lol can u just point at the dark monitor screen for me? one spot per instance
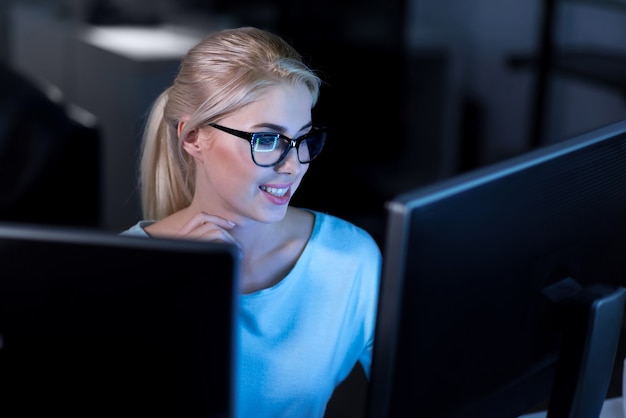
(489, 275)
(94, 324)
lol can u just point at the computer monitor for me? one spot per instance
(95, 324)
(502, 288)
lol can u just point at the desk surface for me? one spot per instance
(612, 409)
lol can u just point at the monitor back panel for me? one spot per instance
(95, 324)
(464, 325)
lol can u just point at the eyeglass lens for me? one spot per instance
(269, 149)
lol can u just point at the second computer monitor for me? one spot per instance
(502, 287)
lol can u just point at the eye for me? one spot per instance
(265, 142)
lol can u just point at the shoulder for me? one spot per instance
(340, 233)
(138, 229)
(346, 254)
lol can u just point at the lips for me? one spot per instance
(275, 191)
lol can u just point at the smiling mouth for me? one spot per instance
(275, 191)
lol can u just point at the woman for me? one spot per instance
(225, 148)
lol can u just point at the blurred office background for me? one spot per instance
(416, 90)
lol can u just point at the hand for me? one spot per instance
(209, 228)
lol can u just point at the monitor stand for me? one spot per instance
(592, 323)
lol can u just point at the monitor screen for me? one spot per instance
(480, 275)
(94, 324)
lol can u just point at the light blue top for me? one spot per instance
(302, 337)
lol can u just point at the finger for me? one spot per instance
(224, 223)
(214, 234)
(203, 218)
(208, 231)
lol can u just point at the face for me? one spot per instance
(228, 183)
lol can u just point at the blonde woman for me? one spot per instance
(225, 148)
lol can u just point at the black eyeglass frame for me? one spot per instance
(291, 142)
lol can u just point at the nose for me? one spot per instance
(291, 164)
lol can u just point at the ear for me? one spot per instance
(190, 141)
(181, 124)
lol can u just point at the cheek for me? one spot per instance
(228, 165)
(230, 154)
(303, 171)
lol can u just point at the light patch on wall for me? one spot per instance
(141, 43)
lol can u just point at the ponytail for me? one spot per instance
(165, 172)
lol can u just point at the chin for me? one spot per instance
(275, 215)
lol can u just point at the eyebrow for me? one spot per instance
(279, 128)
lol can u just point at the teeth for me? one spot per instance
(275, 191)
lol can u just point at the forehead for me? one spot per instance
(282, 105)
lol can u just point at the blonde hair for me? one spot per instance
(225, 71)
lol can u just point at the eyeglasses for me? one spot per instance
(270, 148)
